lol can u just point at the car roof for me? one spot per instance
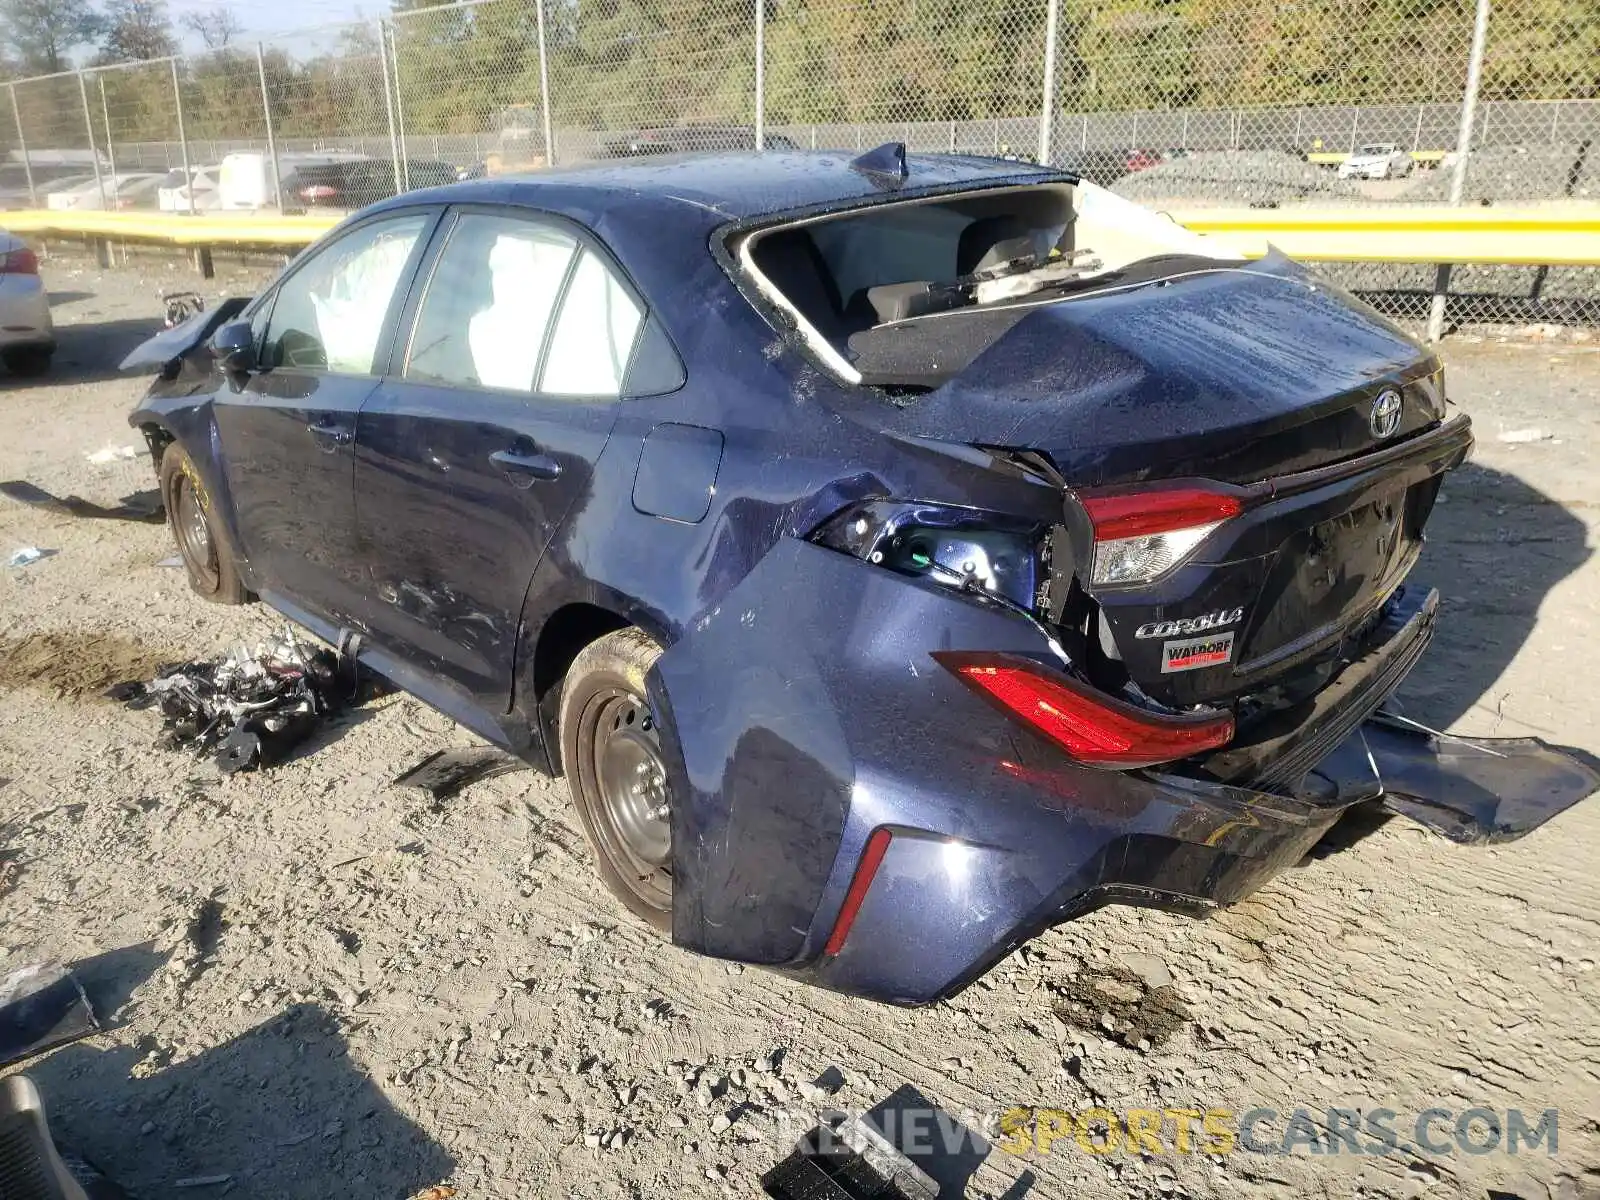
(744, 184)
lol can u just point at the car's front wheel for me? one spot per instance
(27, 362)
(212, 572)
(611, 756)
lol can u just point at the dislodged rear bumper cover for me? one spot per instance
(804, 712)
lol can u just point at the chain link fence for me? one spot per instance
(1175, 104)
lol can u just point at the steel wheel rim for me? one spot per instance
(628, 793)
(194, 531)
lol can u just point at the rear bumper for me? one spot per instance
(1278, 752)
(805, 712)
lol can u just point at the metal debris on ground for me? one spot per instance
(845, 1158)
(181, 306)
(249, 707)
(140, 506)
(445, 773)
(41, 1006)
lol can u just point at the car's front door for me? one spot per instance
(287, 429)
(483, 438)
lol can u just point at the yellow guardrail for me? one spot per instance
(214, 230)
(1565, 235)
(1558, 235)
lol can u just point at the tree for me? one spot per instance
(42, 33)
(136, 30)
(216, 27)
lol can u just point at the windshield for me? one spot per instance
(1376, 149)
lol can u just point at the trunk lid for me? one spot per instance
(1258, 383)
(1231, 373)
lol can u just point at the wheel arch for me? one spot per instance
(561, 637)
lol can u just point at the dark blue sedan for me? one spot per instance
(897, 556)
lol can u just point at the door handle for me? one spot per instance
(523, 469)
(331, 435)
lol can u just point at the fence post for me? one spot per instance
(399, 108)
(22, 144)
(761, 74)
(266, 112)
(183, 135)
(1458, 180)
(1048, 101)
(388, 101)
(111, 149)
(88, 127)
(544, 87)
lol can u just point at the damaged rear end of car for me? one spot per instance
(926, 728)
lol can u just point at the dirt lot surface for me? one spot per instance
(325, 984)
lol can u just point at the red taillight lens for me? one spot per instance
(19, 262)
(1093, 728)
(1139, 536)
(877, 846)
(1136, 514)
(318, 191)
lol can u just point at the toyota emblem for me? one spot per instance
(1385, 417)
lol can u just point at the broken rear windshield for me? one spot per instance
(846, 276)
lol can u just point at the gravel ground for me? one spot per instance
(1238, 177)
(316, 976)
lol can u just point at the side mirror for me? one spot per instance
(235, 346)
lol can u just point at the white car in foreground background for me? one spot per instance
(1379, 160)
(135, 189)
(27, 335)
(174, 194)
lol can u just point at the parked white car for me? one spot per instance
(1377, 160)
(134, 189)
(27, 335)
(173, 194)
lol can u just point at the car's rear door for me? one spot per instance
(483, 438)
(288, 428)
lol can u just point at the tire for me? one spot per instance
(28, 362)
(611, 758)
(206, 556)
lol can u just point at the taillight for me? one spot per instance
(1093, 728)
(871, 857)
(19, 262)
(1140, 536)
(318, 191)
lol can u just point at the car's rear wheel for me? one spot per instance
(611, 755)
(210, 564)
(28, 362)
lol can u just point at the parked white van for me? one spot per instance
(247, 180)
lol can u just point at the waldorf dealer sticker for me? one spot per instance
(1190, 653)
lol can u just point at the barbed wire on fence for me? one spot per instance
(1243, 102)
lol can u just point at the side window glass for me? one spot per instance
(594, 334)
(329, 314)
(483, 318)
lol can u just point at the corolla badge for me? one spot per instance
(1385, 418)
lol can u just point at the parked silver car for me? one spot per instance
(1377, 160)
